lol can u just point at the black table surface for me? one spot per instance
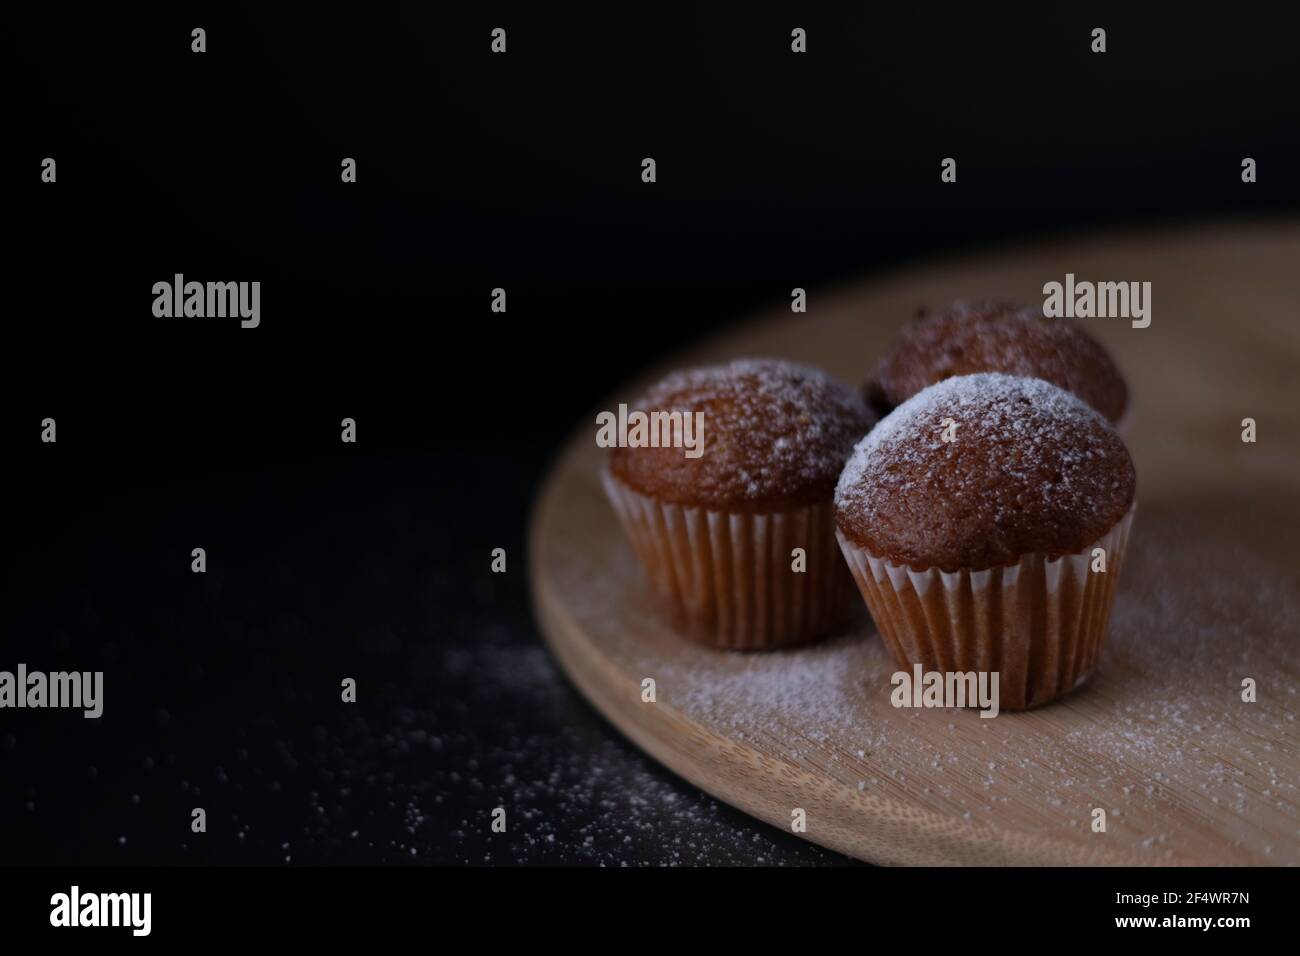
(776, 170)
(222, 690)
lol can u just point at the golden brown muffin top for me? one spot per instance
(1030, 468)
(776, 436)
(995, 336)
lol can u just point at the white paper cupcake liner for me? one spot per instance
(726, 579)
(1039, 623)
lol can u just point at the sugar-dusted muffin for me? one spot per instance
(717, 533)
(969, 517)
(994, 336)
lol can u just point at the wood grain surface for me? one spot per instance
(1160, 739)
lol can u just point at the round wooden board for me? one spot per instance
(1159, 738)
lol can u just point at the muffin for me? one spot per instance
(717, 532)
(994, 336)
(976, 553)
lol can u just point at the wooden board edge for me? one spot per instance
(906, 835)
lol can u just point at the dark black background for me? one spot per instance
(475, 171)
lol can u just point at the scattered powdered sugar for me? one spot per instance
(421, 784)
(1158, 736)
(810, 686)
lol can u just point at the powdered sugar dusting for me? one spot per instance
(998, 336)
(772, 429)
(1158, 737)
(1029, 467)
